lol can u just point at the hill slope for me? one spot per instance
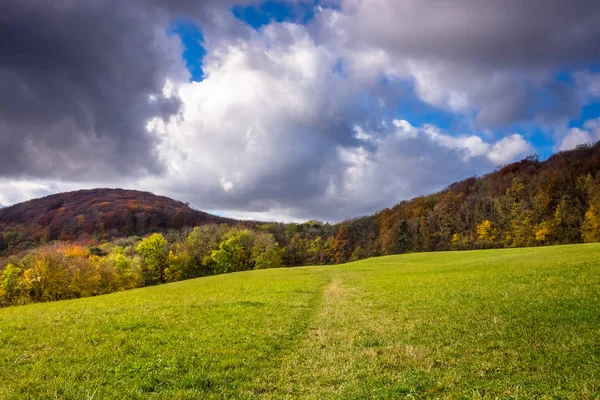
(483, 324)
(103, 212)
(527, 203)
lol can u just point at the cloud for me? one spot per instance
(15, 191)
(263, 127)
(495, 60)
(467, 147)
(402, 161)
(508, 149)
(575, 136)
(588, 84)
(508, 33)
(290, 121)
(79, 80)
(279, 132)
(76, 81)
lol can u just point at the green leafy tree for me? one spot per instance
(266, 252)
(234, 253)
(129, 275)
(567, 221)
(401, 239)
(200, 244)
(10, 284)
(181, 264)
(297, 250)
(154, 252)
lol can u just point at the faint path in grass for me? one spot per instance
(324, 363)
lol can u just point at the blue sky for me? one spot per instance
(193, 47)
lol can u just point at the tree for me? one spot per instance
(10, 284)
(401, 239)
(129, 275)
(48, 278)
(590, 229)
(567, 221)
(543, 232)
(266, 252)
(84, 276)
(321, 251)
(343, 244)
(181, 264)
(296, 252)
(234, 253)
(200, 244)
(486, 232)
(154, 252)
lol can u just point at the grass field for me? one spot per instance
(518, 323)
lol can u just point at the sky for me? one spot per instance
(289, 110)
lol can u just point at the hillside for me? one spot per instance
(99, 212)
(527, 203)
(511, 323)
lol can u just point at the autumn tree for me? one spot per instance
(84, 277)
(47, 278)
(486, 233)
(590, 229)
(11, 285)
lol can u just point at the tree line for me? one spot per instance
(528, 203)
(66, 270)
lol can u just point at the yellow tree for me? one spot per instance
(10, 284)
(590, 229)
(48, 278)
(486, 231)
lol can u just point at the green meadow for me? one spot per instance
(514, 324)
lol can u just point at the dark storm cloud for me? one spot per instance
(75, 84)
(493, 33)
(76, 77)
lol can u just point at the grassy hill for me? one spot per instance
(514, 323)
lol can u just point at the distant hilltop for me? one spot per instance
(96, 213)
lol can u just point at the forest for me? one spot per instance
(528, 203)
